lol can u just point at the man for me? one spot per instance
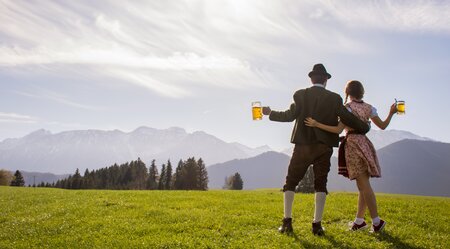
(312, 145)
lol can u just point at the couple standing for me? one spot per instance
(319, 117)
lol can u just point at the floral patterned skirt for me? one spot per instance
(361, 157)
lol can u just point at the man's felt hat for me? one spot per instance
(319, 69)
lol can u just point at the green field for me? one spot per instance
(55, 218)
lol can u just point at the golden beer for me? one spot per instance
(257, 110)
(401, 107)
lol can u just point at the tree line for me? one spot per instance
(190, 174)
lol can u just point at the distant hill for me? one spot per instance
(63, 152)
(263, 171)
(408, 167)
(381, 139)
(415, 167)
(36, 177)
(384, 138)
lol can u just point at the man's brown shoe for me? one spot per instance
(317, 229)
(286, 227)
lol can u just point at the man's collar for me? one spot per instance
(319, 85)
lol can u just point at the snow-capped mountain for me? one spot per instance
(63, 152)
(381, 138)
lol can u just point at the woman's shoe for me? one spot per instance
(379, 228)
(355, 227)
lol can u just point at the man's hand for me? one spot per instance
(266, 110)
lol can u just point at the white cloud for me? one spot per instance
(166, 46)
(59, 98)
(144, 80)
(16, 118)
(407, 16)
(17, 56)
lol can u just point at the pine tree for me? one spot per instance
(76, 180)
(127, 178)
(162, 178)
(238, 183)
(152, 177)
(168, 174)
(306, 185)
(178, 176)
(142, 174)
(202, 175)
(87, 181)
(190, 174)
(234, 182)
(18, 179)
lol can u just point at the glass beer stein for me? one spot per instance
(257, 110)
(400, 107)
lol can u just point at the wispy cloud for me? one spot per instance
(407, 16)
(162, 45)
(57, 97)
(17, 56)
(16, 118)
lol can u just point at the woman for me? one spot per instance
(357, 154)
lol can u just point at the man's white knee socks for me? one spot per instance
(288, 201)
(320, 205)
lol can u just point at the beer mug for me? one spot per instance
(257, 110)
(400, 107)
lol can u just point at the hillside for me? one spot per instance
(408, 166)
(262, 171)
(382, 139)
(55, 218)
(415, 167)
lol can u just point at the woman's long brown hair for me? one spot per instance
(354, 89)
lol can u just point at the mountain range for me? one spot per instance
(408, 167)
(383, 138)
(410, 164)
(62, 153)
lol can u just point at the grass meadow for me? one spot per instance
(56, 218)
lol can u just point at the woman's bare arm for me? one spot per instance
(333, 129)
(383, 124)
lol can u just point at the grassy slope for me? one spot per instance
(54, 218)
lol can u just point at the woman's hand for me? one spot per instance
(393, 109)
(310, 122)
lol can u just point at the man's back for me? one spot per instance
(322, 105)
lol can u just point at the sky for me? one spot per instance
(76, 65)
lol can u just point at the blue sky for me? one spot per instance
(68, 65)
